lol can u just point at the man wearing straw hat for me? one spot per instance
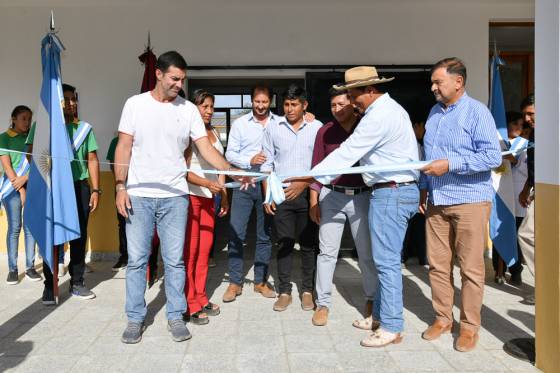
(383, 136)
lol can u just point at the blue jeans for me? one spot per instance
(242, 204)
(12, 204)
(169, 216)
(389, 213)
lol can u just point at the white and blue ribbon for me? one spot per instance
(275, 183)
(6, 187)
(80, 135)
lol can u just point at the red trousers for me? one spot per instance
(198, 243)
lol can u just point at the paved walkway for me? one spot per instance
(248, 336)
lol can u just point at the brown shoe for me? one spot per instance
(307, 303)
(320, 316)
(232, 292)
(467, 340)
(283, 301)
(264, 290)
(436, 330)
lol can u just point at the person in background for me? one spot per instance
(12, 192)
(519, 175)
(201, 218)
(123, 257)
(288, 147)
(526, 234)
(85, 167)
(331, 205)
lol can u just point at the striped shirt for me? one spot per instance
(245, 140)
(287, 150)
(465, 134)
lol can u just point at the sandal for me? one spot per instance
(381, 338)
(366, 324)
(211, 309)
(199, 318)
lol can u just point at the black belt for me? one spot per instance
(392, 184)
(349, 191)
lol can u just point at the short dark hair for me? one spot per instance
(200, 95)
(262, 88)
(171, 58)
(452, 65)
(68, 88)
(295, 92)
(527, 101)
(512, 116)
(336, 92)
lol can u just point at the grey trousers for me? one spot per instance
(526, 237)
(336, 207)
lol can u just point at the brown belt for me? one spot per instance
(392, 184)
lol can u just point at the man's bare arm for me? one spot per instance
(122, 159)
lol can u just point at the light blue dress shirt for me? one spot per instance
(465, 134)
(287, 150)
(245, 140)
(383, 136)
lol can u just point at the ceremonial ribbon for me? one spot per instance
(6, 187)
(274, 183)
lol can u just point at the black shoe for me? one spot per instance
(48, 297)
(133, 332)
(13, 278)
(120, 264)
(198, 318)
(211, 263)
(211, 309)
(80, 291)
(32, 275)
(515, 279)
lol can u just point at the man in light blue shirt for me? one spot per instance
(383, 136)
(288, 146)
(462, 142)
(244, 150)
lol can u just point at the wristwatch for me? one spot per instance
(98, 191)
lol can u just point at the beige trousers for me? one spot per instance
(457, 231)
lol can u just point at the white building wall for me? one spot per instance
(103, 39)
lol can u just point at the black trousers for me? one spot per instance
(77, 264)
(517, 267)
(292, 223)
(122, 237)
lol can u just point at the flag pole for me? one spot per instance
(55, 273)
(55, 247)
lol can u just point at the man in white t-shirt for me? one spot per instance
(154, 133)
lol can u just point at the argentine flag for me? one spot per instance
(502, 219)
(50, 208)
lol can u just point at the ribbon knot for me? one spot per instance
(274, 190)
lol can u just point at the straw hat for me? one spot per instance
(361, 76)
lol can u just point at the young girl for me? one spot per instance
(201, 220)
(12, 192)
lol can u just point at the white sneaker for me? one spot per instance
(381, 338)
(61, 270)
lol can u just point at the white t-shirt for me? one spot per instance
(161, 134)
(199, 163)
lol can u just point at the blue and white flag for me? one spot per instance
(50, 208)
(503, 230)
